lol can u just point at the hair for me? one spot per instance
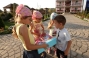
(14, 28)
(60, 19)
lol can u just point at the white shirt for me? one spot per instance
(62, 39)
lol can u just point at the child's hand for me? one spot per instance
(66, 52)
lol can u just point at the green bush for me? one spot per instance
(79, 13)
(6, 16)
(87, 16)
(5, 32)
(2, 25)
(8, 28)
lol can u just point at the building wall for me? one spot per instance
(75, 5)
(60, 6)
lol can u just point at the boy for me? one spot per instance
(63, 37)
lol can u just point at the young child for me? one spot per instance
(52, 29)
(37, 28)
(22, 32)
(63, 38)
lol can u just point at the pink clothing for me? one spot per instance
(36, 14)
(23, 11)
(38, 29)
(38, 39)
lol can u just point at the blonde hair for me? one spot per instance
(14, 28)
(14, 32)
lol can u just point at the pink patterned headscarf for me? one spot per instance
(36, 14)
(23, 11)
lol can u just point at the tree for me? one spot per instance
(2, 25)
(46, 12)
(14, 8)
(42, 11)
(6, 16)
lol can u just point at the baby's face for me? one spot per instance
(38, 20)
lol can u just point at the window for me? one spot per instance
(60, 2)
(76, 1)
(75, 9)
(60, 8)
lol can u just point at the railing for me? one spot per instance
(67, 4)
(59, 5)
(77, 4)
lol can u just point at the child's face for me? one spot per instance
(38, 20)
(58, 25)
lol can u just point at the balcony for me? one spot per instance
(59, 6)
(68, 4)
(76, 4)
(67, 0)
(59, 11)
(75, 11)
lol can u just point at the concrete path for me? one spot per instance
(78, 29)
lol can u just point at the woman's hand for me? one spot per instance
(44, 45)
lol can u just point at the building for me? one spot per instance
(87, 5)
(71, 6)
(11, 7)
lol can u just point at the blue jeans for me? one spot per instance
(31, 54)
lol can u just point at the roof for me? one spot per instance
(10, 5)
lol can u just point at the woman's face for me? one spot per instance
(28, 20)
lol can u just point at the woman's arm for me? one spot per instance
(24, 33)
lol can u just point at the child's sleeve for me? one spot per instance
(67, 36)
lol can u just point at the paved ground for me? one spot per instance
(78, 29)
